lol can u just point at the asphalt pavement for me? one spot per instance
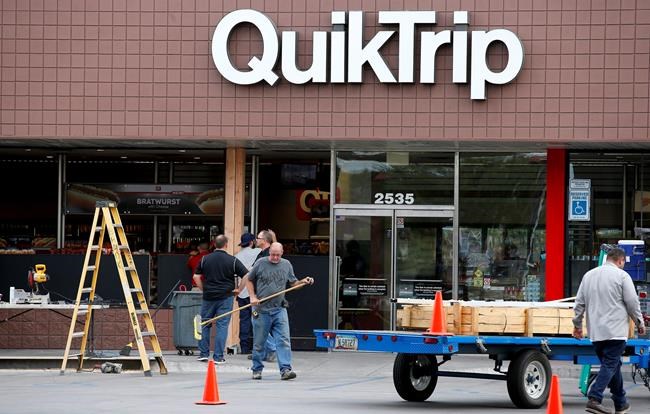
(334, 382)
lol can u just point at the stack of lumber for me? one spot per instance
(503, 318)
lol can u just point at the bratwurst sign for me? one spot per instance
(164, 199)
(339, 56)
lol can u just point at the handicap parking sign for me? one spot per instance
(579, 207)
(579, 199)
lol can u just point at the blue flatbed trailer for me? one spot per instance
(419, 356)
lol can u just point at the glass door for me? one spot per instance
(424, 256)
(363, 247)
(424, 260)
(390, 253)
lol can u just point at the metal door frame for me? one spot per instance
(394, 212)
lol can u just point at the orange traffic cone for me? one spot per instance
(211, 390)
(555, 397)
(438, 324)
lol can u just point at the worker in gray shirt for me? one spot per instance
(268, 276)
(609, 298)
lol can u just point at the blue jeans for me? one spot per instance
(245, 326)
(609, 353)
(275, 322)
(210, 309)
(269, 345)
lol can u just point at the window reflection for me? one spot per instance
(502, 226)
(365, 177)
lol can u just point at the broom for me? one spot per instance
(198, 325)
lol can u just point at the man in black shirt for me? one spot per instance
(215, 275)
(264, 239)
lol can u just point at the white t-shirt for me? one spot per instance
(247, 256)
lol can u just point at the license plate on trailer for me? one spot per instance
(346, 342)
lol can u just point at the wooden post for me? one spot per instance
(234, 196)
(234, 217)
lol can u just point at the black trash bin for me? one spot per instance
(186, 305)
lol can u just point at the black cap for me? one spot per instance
(246, 239)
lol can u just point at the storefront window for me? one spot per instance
(170, 179)
(502, 226)
(619, 209)
(395, 178)
(293, 201)
(28, 208)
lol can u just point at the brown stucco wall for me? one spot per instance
(127, 69)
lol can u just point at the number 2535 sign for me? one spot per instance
(394, 198)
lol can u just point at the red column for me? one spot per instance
(556, 214)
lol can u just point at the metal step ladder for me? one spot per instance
(112, 224)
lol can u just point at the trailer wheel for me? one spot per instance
(529, 379)
(415, 376)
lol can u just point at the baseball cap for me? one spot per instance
(246, 238)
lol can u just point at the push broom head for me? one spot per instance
(197, 327)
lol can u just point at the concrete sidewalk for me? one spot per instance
(337, 363)
(335, 382)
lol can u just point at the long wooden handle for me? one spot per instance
(298, 286)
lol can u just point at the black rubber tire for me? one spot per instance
(529, 379)
(187, 352)
(180, 352)
(415, 376)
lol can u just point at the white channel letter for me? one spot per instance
(262, 69)
(407, 22)
(481, 72)
(459, 72)
(428, 50)
(318, 70)
(358, 55)
(337, 50)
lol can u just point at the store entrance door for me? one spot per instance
(389, 252)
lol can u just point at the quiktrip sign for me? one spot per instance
(339, 56)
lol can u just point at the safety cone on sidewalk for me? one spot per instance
(438, 324)
(555, 397)
(211, 390)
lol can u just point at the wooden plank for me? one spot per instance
(509, 329)
(502, 320)
(529, 323)
(474, 321)
(501, 311)
(456, 312)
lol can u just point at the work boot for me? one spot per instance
(288, 374)
(593, 406)
(623, 409)
(257, 375)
